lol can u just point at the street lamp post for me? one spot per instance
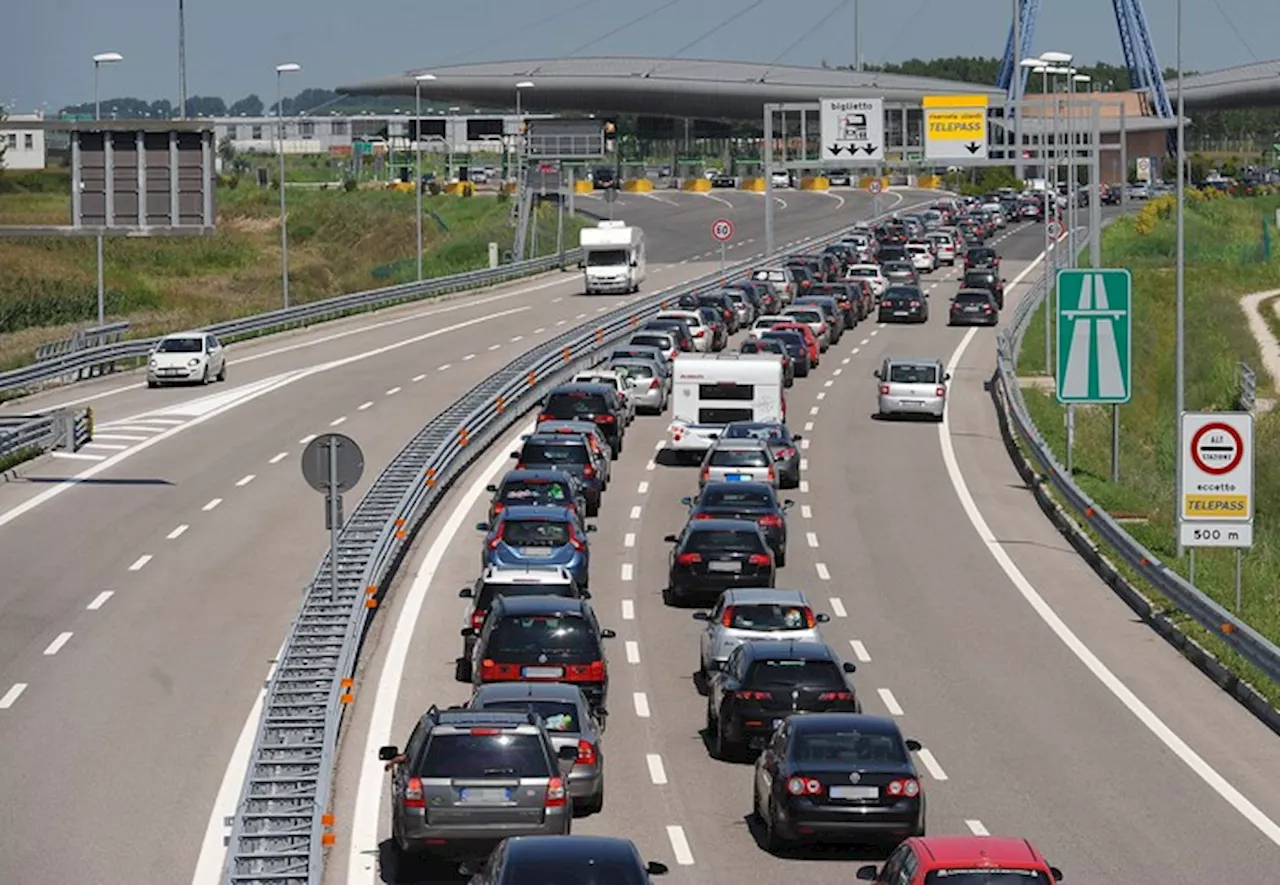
(1049, 65)
(1076, 77)
(519, 142)
(417, 140)
(281, 70)
(1180, 351)
(102, 58)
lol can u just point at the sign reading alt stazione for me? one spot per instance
(1216, 509)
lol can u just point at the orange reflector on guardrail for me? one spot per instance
(533, 378)
(500, 404)
(327, 818)
(565, 353)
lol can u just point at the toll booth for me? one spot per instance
(635, 178)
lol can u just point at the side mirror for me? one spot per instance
(608, 634)
(788, 504)
(514, 455)
(688, 502)
(491, 488)
(584, 594)
(482, 526)
(850, 667)
(797, 436)
(466, 593)
(913, 745)
(670, 539)
(468, 869)
(946, 377)
(389, 752)
(701, 616)
(1056, 873)
(601, 713)
(876, 374)
(592, 528)
(467, 631)
(653, 868)
(867, 873)
(822, 617)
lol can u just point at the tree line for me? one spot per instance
(308, 101)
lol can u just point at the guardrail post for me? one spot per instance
(66, 429)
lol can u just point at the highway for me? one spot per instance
(1044, 709)
(149, 582)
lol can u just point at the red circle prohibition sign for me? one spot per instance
(1215, 470)
(722, 229)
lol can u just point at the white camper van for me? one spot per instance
(709, 391)
(614, 258)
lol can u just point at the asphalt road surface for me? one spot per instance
(143, 602)
(1044, 709)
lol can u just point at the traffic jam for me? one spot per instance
(492, 787)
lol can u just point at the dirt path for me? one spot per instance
(1267, 343)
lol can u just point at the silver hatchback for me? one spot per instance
(738, 460)
(912, 387)
(750, 613)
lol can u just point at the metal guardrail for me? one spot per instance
(278, 830)
(64, 429)
(84, 339)
(79, 363)
(1239, 636)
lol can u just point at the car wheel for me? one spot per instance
(204, 379)
(780, 559)
(723, 748)
(222, 373)
(756, 815)
(462, 670)
(774, 843)
(152, 384)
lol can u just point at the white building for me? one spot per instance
(336, 135)
(24, 148)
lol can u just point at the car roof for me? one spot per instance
(764, 596)
(462, 717)
(862, 722)
(545, 513)
(528, 691)
(540, 605)
(979, 851)
(981, 293)
(755, 424)
(912, 361)
(738, 443)
(572, 849)
(551, 436)
(723, 525)
(788, 650)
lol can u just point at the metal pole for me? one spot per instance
(182, 61)
(1239, 562)
(722, 256)
(768, 179)
(1095, 185)
(1045, 156)
(333, 518)
(1180, 351)
(102, 287)
(1071, 438)
(804, 139)
(560, 220)
(857, 35)
(284, 219)
(1072, 214)
(1191, 568)
(417, 172)
(1018, 169)
(1124, 159)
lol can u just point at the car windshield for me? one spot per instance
(985, 877)
(769, 617)
(551, 635)
(536, 492)
(982, 254)
(739, 458)
(553, 453)
(762, 345)
(503, 755)
(810, 674)
(535, 533)
(634, 370)
(847, 748)
(806, 316)
(606, 258)
(567, 406)
(911, 374)
(558, 715)
(717, 540)
(767, 432)
(574, 870)
(730, 495)
(181, 345)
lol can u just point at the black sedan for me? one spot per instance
(786, 457)
(973, 307)
(754, 501)
(903, 304)
(565, 860)
(838, 777)
(711, 555)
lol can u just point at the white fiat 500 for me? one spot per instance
(187, 357)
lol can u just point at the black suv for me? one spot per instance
(985, 278)
(540, 638)
(764, 682)
(587, 402)
(566, 452)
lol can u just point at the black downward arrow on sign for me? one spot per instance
(870, 149)
(973, 147)
(835, 149)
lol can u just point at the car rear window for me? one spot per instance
(738, 458)
(535, 492)
(767, 432)
(535, 533)
(848, 748)
(717, 496)
(711, 541)
(972, 297)
(181, 345)
(763, 345)
(489, 592)
(768, 617)
(982, 254)
(908, 374)
(555, 453)
(558, 715)
(634, 370)
(506, 754)
(558, 637)
(578, 870)
(786, 672)
(793, 340)
(659, 341)
(568, 406)
(985, 876)
(979, 280)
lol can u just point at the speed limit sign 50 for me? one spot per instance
(722, 229)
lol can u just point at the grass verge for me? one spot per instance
(1224, 262)
(339, 242)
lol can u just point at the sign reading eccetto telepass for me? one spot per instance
(1216, 509)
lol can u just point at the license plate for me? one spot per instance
(536, 552)
(543, 672)
(971, 310)
(484, 795)
(731, 567)
(902, 313)
(911, 402)
(736, 477)
(855, 792)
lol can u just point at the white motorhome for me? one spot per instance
(709, 391)
(614, 259)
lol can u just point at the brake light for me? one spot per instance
(497, 508)
(760, 559)
(699, 333)
(485, 732)
(604, 419)
(586, 753)
(413, 797)
(555, 793)
(497, 539)
(589, 472)
(809, 619)
(491, 671)
(593, 672)
(706, 473)
(727, 618)
(753, 695)
(477, 618)
(836, 696)
(940, 391)
(884, 389)
(545, 416)
(688, 558)
(653, 384)
(804, 786)
(772, 520)
(907, 787)
(914, 304)
(575, 541)
(704, 516)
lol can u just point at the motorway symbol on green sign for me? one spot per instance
(1095, 336)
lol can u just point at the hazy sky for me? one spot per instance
(233, 45)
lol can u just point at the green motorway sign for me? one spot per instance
(1095, 335)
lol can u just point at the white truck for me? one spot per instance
(712, 390)
(613, 259)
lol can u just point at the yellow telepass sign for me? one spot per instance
(955, 126)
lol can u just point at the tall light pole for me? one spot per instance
(857, 35)
(281, 70)
(1180, 346)
(182, 60)
(1018, 64)
(417, 141)
(1077, 78)
(102, 58)
(522, 85)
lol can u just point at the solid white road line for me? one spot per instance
(812, 538)
(657, 773)
(629, 539)
(643, 488)
(680, 845)
(837, 607)
(931, 763)
(976, 827)
(633, 651)
(366, 814)
(641, 702)
(140, 563)
(56, 646)
(635, 512)
(11, 696)
(245, 480)
(100, 600)
(276, 459)
(627, 571)
(212, 504)
(77, 456)
(628, 610)
(860, 651)
(890, 702)
(177, 533)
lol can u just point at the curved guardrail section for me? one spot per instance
(1239, 636)
(64, 429)
(279, 828)
(79, 364)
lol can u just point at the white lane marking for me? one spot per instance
(643, 488)
(808, 425)
(557, 300)
(560, 322)
(628, 571)
(651, 466)
(837, 606)
(516, 338)
(245, 480)
(368, 404)
(633, 651)
(1101, 671)
(366, 813)
(581, 316)
(159, 420)
(635, 511)
(308, 438)
(804, 463)
(100, 600)
(821, 569)
(468, 357)
(845, 362)
(657, 447)
(657, 773)
(836, 373)
(629, 539)
(864, 342)
(977, 828)
(56, 646)
(137, 428)
(641, 702)
(119, 436)
(212, 504)
(539, 330)
(110, 447)
(177, 533)
(890, 702)
(11, 696)
(829, 382)
(812, 538)
(74, 456)
(855, 351)
(679, 843)
(804, 444)
(417, 378)
(820, 396)
(493, 347)
(804, 486)
(876, 332)
(337, 421)
(806, 511)
(860, 651)
(140, 563)
(277, 458)
(814, 410)
(931, 763)
(444, 368)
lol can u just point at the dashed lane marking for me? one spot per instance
(629, 539)
(276, 459)
(657, 773)
(837, 606)
(445, 367)
(100, 600)
(177, 533)
(393, 391)
(245, 480)
(804, 486)
(212, 504)
(628, 610)
(140, 563)
(820, 396)
(306, 439)
(628, 571)
(860, 651)
(643, 488)
(804, 444)
(829, 382)
(821, 569)
(417, 378)
(813, 410)
(651, 466)
(11, 696)
(635, 511)
(56, 646)
(977, 828)
(931, 763)
(808, 425)
(336, 422)
(468, 357)
(812, 538)
(633, 651)
(641, 702)
(806, 511)
(890, 702)
(680, 845)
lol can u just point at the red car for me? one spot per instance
(963, 860)
(810, 340)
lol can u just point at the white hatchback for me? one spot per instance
(187, 357)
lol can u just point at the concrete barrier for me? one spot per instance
(582, 186)
(752, 184)
(696, 185)
(468, 189)
(638, 186)
(930, 182)
(815, 183)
